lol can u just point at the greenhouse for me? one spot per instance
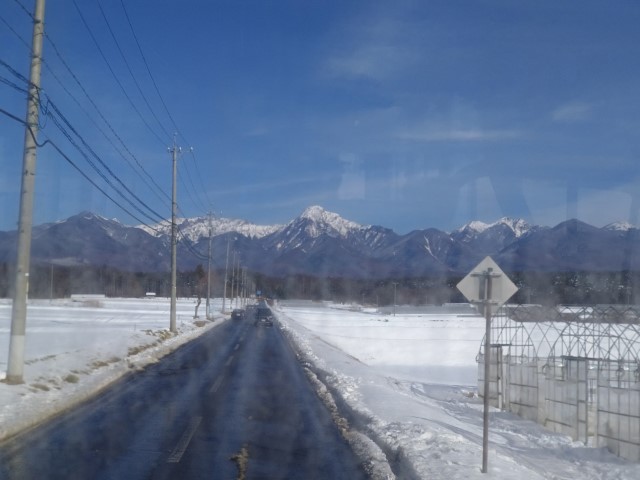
(575, 370)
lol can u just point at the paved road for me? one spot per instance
(234, 399)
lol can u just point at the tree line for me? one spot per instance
(547, 288)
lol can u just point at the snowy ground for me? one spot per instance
(76, 348)
(413, 379)
(410, 378)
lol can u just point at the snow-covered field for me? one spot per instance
(413, 379)
(409, 378)
(75, 348)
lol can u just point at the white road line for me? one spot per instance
(216, 385)
(183, 443)
(229, 361)
(236, 347)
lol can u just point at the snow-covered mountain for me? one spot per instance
(314, 223)
(322, 243)
(620, 226)
(198, 227)
(488, 238)
(516, 226)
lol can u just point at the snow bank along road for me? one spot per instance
(233, 401)
(408, 382)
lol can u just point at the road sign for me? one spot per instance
(502, 288)
(487, 285)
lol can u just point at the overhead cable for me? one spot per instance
(115, 77)
(162, 101)
(74, 165)
(135, 81)
(8, 25)
(50, 105)
(100, 114)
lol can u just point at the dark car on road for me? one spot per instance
(264, 316)
(237, 314)
(265, 322)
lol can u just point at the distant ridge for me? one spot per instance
(322, 243)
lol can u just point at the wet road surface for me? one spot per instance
(233, 402)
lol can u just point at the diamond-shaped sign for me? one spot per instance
(502, 288)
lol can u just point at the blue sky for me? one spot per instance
(408, 114)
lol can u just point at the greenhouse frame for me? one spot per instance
(575, 370)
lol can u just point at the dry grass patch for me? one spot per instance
(40, 386)
(71, 378)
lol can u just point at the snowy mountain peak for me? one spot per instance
(619, 226)
(517, 225)
(314, 212)
(323, 221)
(475, 226)
(87, 215)
(197, 228)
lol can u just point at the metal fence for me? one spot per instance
(575, 370)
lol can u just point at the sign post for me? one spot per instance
(487, 285)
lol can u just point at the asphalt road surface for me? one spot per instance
(232, 404)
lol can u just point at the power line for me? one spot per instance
(190, 246)
(124, 91)
(74, 165)
(164, 104)
(16, 73)
(200, 177)
(124, 58)
(197, 199)
(188, 175)
(51, 104)
(146, 64)
(115, 147)
(66, 122)
(99, 112)
(8, 25)
(68, 136)
(13, 85)
(25, 9)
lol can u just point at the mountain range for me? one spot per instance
(322, 243)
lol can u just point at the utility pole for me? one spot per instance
(238, 282)
(209, 273)
(395, 285)
(244, 287)
(15, 366)
(233, 278)
(241, 287)
(226, 269)
(174, 150)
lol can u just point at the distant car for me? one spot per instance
(265, 322)
(263, 312)
(237, 314)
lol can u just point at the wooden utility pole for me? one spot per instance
(15, 366)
